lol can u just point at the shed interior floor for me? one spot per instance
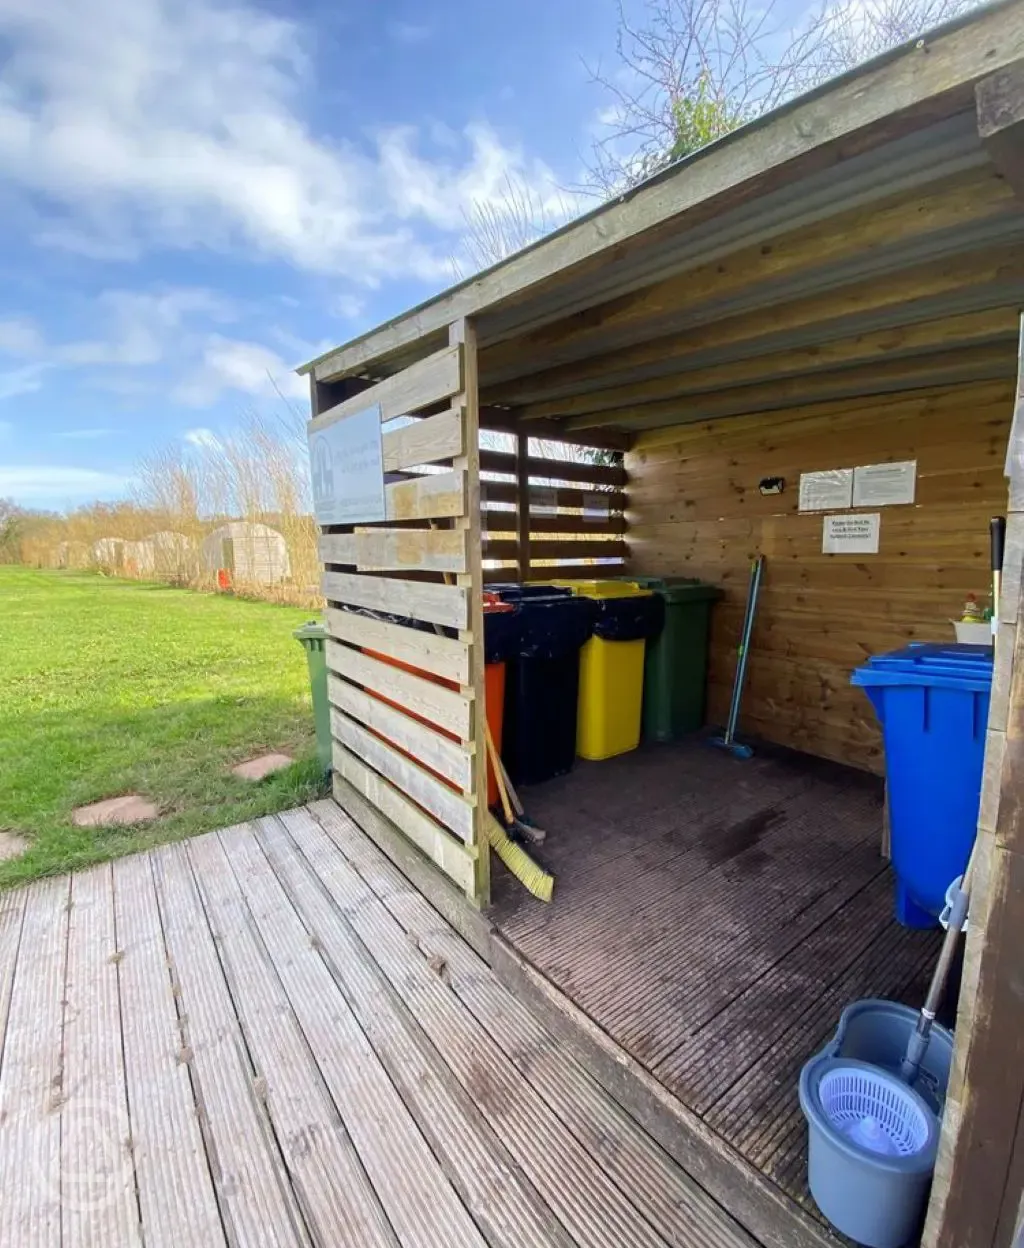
(714, 916)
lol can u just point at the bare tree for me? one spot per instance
(695, 69)
(497, 228)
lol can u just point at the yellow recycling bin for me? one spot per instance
(612, 666)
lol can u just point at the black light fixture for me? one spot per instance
(772, 485)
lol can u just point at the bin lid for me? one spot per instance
(514, 591)
(605, 589)
(312, 630)
(929, 663)
(676, 589)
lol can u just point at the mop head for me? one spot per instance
(533, 878)
(735, 748)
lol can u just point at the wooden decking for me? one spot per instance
(265, 1036)
(713, 917)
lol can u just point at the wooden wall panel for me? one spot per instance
(695, 510)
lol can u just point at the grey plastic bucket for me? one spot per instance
(876, 1200)
(877, 1032)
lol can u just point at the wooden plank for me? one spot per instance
(573, 571)
(999, 101)
(12, 913)
(549, 498)
(253, 1188)
(505, 420)
(447, 806)
(427, 381)
(591, 1206)
(488, 1178)
(885, 344)
(750, 163)
(417, 600)
(608, 548)
(453, 858)
(442, 656)
(436, 889)
(430, 439)
(338, 1201)
(414, 1190)
(98, 1202)
(448, 758)
(31, 1079)
(463, 334)
(521, 553)
(437, 496)
(446, 708)
(554, 469)
(501, 522)
(167, 1144)
(396, 550)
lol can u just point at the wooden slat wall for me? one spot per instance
(410, 741)
(695, 510)
(574, 514)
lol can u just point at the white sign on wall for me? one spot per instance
(826, 491)
(884, 485)
(347, 463)
(851, 535)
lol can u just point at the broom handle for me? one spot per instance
(741, 664)
(499, 778)
(997, 543)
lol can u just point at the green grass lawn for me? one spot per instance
(110, 687)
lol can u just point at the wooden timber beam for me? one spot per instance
(947, 368)
(999, 101)
(507, 420)
(874, 241)
(884, 345)
(996, 276)
(911, 86)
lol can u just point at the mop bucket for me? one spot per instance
(878, 1032)
(872, 1147)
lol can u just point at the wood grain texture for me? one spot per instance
(439, 496)
(395, 765)
(696, 511)
(416, 600)
(446, 708)
(397, 550)
(449, 759)
(427, 381)
(441, 656)
(450, 855)
(430, 439)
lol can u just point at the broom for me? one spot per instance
(532, 877)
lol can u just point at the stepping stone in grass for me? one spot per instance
(11, 845)
(265, 765)
(131, 808)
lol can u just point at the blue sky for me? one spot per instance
(196, 194)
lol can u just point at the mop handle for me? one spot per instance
(748, 628)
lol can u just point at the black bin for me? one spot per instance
(539, 735)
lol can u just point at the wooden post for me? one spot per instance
(523, 505)
(463, 332)
(979, 1174)
(999, 101)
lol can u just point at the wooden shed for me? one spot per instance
(835, 286)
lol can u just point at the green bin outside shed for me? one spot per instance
(676, 663)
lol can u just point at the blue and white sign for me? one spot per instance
(347, 463)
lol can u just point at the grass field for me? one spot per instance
(110, 687)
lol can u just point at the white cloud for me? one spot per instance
(409, 32)
(24, 380)
(181, 125)
(202, 437)
(348, 307)
(86, 435)
(248, 367)
(56, 485)
(19, 335)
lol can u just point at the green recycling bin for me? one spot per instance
(313, 636)
(676, 663)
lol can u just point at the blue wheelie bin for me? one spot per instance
(932, 703)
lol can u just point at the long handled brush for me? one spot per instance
(516, 821)
(533, 877)
(727, 741)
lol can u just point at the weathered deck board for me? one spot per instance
(339, 1203)
(716, 930)
(30, 1079)
(264, 1038)
(98, 1200)
(256, 1199)
(176, 1194)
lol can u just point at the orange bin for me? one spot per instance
(494, 697)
